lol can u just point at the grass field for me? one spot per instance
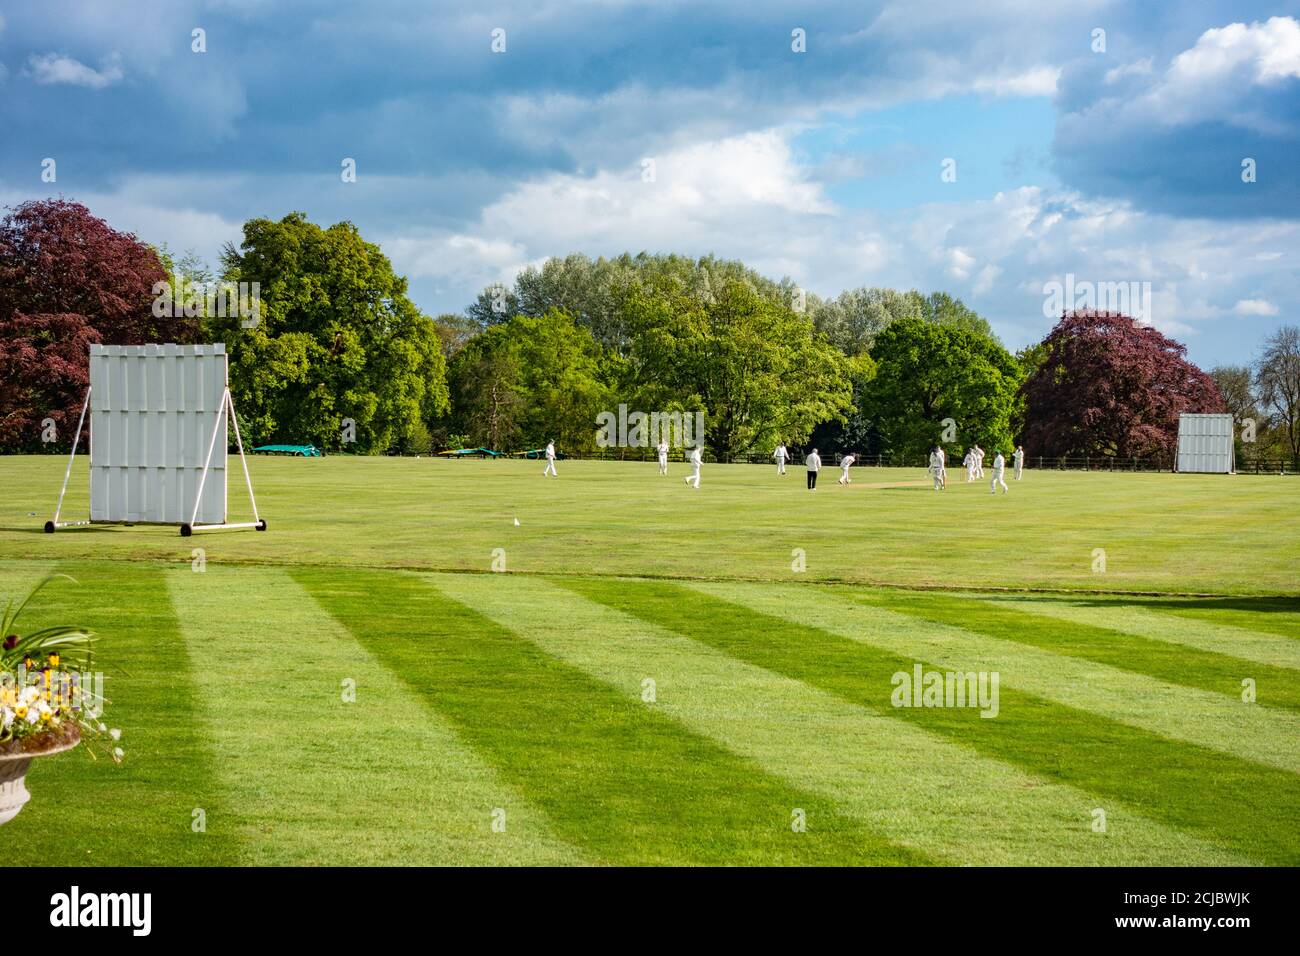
(652, 681)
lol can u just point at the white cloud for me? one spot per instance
(1182, 124)
(741, 197)
(1037, 81)
(747, 197)
(702, 197)
(985, 279)
(1211, 81)
(960, 263)
(138, 206)
(456, 260)
(53, 68)
(1143, 67)
(1269, 52)
(1255, 307)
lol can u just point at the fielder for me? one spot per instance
(663, 458)
(697, 459)
(814, 464)
(943, 467)
(845, 464)
(979, 462)
(1019, 459)
(999, 466)
(780, 455)
(969, 462)
(550, 460)
(934, 468)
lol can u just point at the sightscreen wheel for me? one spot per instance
(261, 524)
(49, 527)
(186, 530)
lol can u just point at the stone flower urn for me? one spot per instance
(16, 756)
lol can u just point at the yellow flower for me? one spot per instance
(46, 715)
(20, 712)
(54, 660)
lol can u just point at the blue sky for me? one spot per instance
(1114, 162)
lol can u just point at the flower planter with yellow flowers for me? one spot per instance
(45, 708)
(17, 756)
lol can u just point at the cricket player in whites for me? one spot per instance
(814, 464)
(663, 457)
(936, 469)
(969, 462)
(1019, 459)
(550, 460)
(845, 464)
(943, 467)
(780, 455)
(999, 467)
(697, 459)
(979, 462)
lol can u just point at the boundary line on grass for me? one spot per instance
(830, 582)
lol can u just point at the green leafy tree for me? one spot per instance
(942, 309)
(1235, 385)
(926, 373)
(529, 381)
(1029, 359)
(487, 394)
(336, 338)
(595, 291)
(1277, 382)
(758, 369)
(454, 331)
(856, 430)
(853, 319)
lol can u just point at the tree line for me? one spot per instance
(337, 339)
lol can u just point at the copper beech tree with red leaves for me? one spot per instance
(68, 279)
(1109, 385)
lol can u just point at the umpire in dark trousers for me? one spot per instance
(814, 464)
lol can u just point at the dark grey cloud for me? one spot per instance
(1170, 131)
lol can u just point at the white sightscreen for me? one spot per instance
(152, 411)
(1205, 443)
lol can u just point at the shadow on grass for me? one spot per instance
(39, 529)
(1265, 604)
(1253, 605)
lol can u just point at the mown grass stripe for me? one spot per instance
(895, 776)
(17, 578)
(614, 776)
(140, 813)
(1175, 664)
(1245, 806)
(1181, 713)
(1276, 615)
(311, 778)
(1138, 618)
